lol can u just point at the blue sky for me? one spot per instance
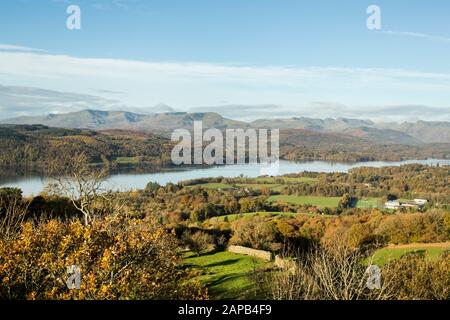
(313, 58)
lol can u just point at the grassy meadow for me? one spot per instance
(320, 202)
(393, 252)
(225, 274)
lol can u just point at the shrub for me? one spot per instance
(324, 273)
(413, 277)
(417, 227)
(199, 242)
(119, 259)
(255, 232)
(13, 211)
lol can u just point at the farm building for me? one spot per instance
(397, 204)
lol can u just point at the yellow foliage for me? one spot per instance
(119, 259)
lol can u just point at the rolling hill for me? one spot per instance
(378, 133)
(38, 145)
(422, 130)
(101, 120)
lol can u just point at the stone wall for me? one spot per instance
(265, 255)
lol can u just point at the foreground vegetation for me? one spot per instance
(339, 273)
(119, 259)
(132, 245)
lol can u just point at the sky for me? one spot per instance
(246, 59)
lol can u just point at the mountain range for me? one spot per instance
(385, 133)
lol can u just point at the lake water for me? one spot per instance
(33, 185)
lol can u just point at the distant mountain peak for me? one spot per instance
(406, 132)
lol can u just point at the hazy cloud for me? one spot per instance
(331, 110)
(247, 112)
(409, 113)
(250, 91)
(418, 35)
(19, 101)
(103, 91)
(24, 101)
(14, 48)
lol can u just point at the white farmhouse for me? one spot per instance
(397, 204)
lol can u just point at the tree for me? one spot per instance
(13, 210)
(80, 181)
(414, 277)
(152, 187)
(199, 242)
(255, 232)
(252, 205)
(345, 202)
(326, 274)
(119, 258)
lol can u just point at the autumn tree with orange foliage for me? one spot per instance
(119, 258)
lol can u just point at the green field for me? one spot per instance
(234, 217)
(286, 180)
(385, 255)
(214, 185)
(321, 202)
(367, 203)
(256, 186)
(272, 183)
(301, 179)
(225, 274)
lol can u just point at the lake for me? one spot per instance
(34, 184)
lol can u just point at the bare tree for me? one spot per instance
(326, 274)
(75, 178)
(12, 214)
(340, 274)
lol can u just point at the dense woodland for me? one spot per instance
(308, 145)
(36, 145)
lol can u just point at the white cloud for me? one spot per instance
(418, 35)
(184, 85)
(19, 101)
(9, 47)
(322, 109)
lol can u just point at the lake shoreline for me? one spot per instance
(149, 167)
(131, 178)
